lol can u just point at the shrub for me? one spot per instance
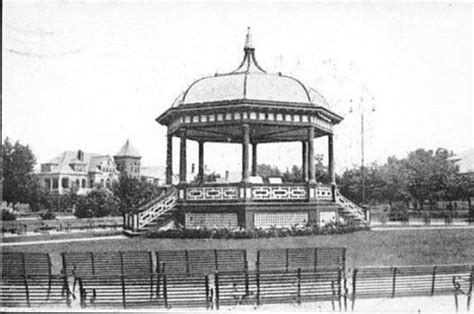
(98, 203)
(6, 215)
(48, 215)
(331, 228)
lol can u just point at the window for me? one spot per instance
(102, 182)
(83, 183)
(65, 183)
(91, 184)
(108, 183)
(55, 183)
(78, 183)
(47, 183)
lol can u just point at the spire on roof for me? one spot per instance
(249, 63)
(248, 40)
(128, 150)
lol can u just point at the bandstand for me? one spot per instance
(248, 106)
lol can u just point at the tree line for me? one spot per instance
(418, 180)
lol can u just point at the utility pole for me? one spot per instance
(362, 170)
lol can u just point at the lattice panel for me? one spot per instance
(266, 220)
(212, 193)
(279, 193)
(324, 193)
(211, 220)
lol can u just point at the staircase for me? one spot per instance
(155, 213)
(349, 210)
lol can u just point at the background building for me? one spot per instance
(87, 170)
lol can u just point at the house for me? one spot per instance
(86, 171)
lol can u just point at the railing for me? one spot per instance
(162, 206)
(352, 208)
(256, 192)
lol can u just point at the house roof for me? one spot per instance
(128, 150)
(63, 162)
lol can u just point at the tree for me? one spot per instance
(18, 164)
(268, 171)
(97, 203)
(132, 193)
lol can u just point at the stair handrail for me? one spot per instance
(349, 205)
(154, 201)
(165, 204)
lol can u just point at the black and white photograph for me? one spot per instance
(237, 156)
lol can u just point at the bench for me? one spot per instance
(117, 291)
(383, 282)
(200, 261)
(33, 290)
(304, 258)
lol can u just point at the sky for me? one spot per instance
(91, 74)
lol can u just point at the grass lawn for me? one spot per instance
(364, 248)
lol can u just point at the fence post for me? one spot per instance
(287, 257)
(92, 263)
(124, 301)
(247, 290)
(49, 275)
(394, 281)
(433, 281)
(66, 287)
(150, 259)
(298, 296)
(82, 293)
(27, 292)
(456, 288)
(158, 277)
(216, 260)
(333, 293)
(187, 261)
(469, 296)
(315, 259)
(207, 292)
(258, 288)
(165, 291)
(216, 285)
(339, 283)
(354, 279)
(257, 262)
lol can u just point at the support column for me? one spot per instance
(311, 169)
(332, 174)
(182, 157)
(201, 162)
(245, 152)
(254, 159)
(169, 160)
(304, 146)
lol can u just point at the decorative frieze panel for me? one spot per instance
(323, 193)
(279, 193)
(317, 121)
(212, 193)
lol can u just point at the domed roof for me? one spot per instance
(249, 82)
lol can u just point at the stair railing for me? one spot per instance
(157, 209)
(350, 206)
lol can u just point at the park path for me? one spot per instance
(118, 237)
(387, 228)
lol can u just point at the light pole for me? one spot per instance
(362, 145)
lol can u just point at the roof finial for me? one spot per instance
(248, 40)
